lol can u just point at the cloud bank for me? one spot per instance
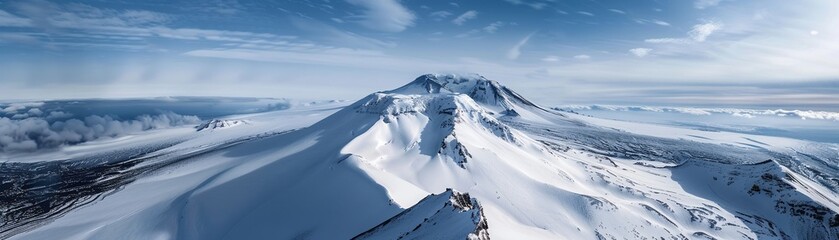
(33, 133)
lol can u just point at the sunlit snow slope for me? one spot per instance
(384, 166)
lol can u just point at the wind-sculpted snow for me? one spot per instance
(762, 195)
(618, 144)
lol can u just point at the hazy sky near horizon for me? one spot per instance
(770, 53)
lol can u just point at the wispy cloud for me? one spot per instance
(550, 59)
(9, 20)
(384, 15)
(468, 15)
(439, 15)
(653, 21)
(700, 32)
(515, 51)
(702, 4)
(78, 24)
(493, 27)
(582, 57)
(328, 34)
(667, 40)
(662, 23)
(535, 4)
(640, 52)
(586, 13)
(617, 11)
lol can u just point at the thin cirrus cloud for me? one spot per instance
(515, 51)
(384, 15)
(698, 33)
(402, 38)
(586, 13)
(440, 15)
(493, 27)
(582, 57)
(702, 4)
(466, 16)
(617, 11)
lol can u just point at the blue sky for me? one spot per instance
(767, 53)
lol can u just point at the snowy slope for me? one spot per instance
(370, 169)
(448, 215)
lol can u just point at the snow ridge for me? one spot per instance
(219, 124)
(448, 215)
(442, 114)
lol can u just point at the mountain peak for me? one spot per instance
(441, 83)
(488, 93)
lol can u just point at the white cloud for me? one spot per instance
(586, 13)
(814, 32)
(667, 40)
(551, 59)
(653, 21)
(10, 20)
(493, 27)
(640, 52)
(439, 15)
(515, 51)
(702, 4)
(468, 15)
(617, 11)
(662, 23)
(533, 4)
(329, 35)
(24, 133)
(700, 32)
(58, 26)
(582, 57)
(384, 15)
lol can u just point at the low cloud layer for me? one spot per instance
(746, 113)
(33, 133)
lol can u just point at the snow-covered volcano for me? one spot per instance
(384, 167)
(492, 96)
